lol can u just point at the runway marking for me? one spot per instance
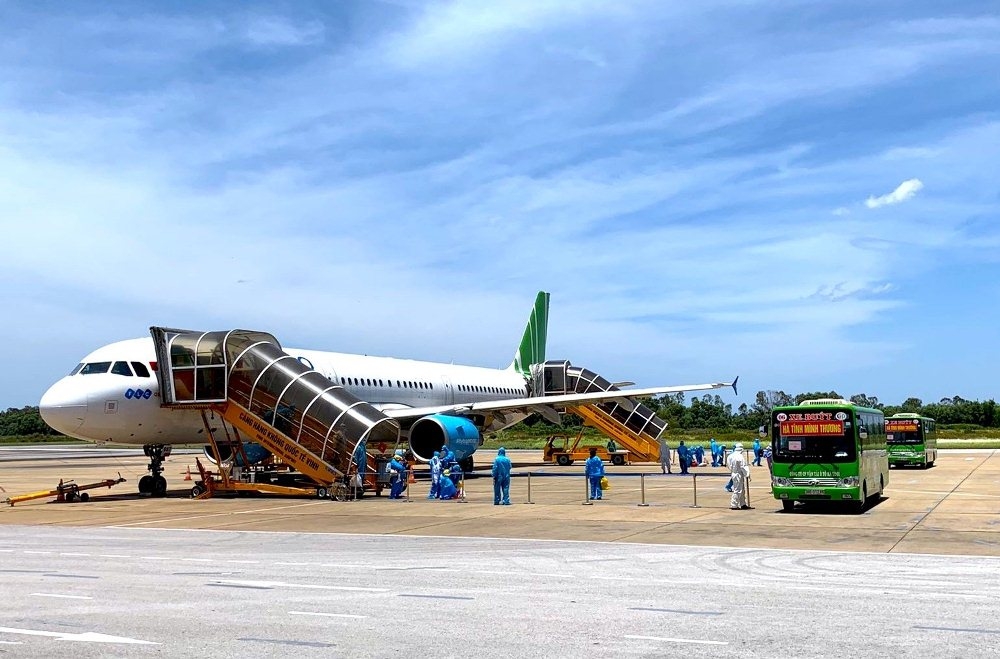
(156, 558)
(957, 629)
(283, 584)
(308, 644)
(246, 562)
(693, 613)
(304, 564)
(234, 585)
(68, 597)
(326, 615)
(114, 556)
(10, 642)
(29, 551)
(70, 576)
(676, 640)
(437, 597)
(72, 553)
(197, 560)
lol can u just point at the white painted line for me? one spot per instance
(245, 562)
(301, 564)
(197, 560)
(326, 615)
(72, 553)
(10, 642)
(677, 640)
(88, 637)
(6, 551)
(68, 597)
(283, 584)
(155, 558)
(29, 551)
(114, 556)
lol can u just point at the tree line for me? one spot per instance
(710, 411)
(24, 421)
(706, 411)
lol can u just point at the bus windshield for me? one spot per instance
(903, 432)
(815, 436)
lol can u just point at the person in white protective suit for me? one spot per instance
(741, 479)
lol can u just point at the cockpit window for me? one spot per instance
(76, 369)
(95, 367)
(140, 369)
(121, 368)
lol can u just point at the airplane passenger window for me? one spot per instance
(76, 369)
(121, 368)
(95, 367)
(140, 369)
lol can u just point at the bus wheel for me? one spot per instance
(859, 506)
(787, 506)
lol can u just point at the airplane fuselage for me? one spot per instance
(113, 395)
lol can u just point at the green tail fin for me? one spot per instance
(532, 348)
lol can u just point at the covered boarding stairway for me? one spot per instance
(635, 427)
(271, 398)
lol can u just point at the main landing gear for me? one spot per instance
(153, 483)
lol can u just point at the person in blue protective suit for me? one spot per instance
(594, 469)
(397, 475)
(501, 478)
(699, 455)
(448, 489)
(360, 458)
(713, 446)
(447, 458)
(756, 452)
(684, 457)
(435, 463)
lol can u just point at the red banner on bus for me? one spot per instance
(812, 428)
(901, 426)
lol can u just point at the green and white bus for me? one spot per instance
(912, 440)
(828, 449)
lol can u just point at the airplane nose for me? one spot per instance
(63, 407)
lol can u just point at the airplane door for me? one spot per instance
(448, 392)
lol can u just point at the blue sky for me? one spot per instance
(805, 194)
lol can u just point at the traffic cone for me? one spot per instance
(188, 476)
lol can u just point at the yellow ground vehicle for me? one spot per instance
(564, 450)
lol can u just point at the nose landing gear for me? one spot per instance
(154, 483)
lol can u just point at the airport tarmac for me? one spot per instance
(953, 508)
(135, 592)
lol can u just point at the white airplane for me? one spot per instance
(113, 395)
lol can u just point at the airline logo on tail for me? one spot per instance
(532, 348)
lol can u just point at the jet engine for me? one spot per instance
(255, 454)
(430, 433)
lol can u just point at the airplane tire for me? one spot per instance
(467, 464)
(159, 486)
(146, 484)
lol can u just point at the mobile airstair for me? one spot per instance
(271, 398)
(634, 427)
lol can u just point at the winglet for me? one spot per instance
(733, 385)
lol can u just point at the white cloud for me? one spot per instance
(904, 191)
(280, 31)
(841, 211)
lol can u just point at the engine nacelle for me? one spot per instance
(430, 433)
(255, 454)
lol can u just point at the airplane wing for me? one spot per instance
(535, 403)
